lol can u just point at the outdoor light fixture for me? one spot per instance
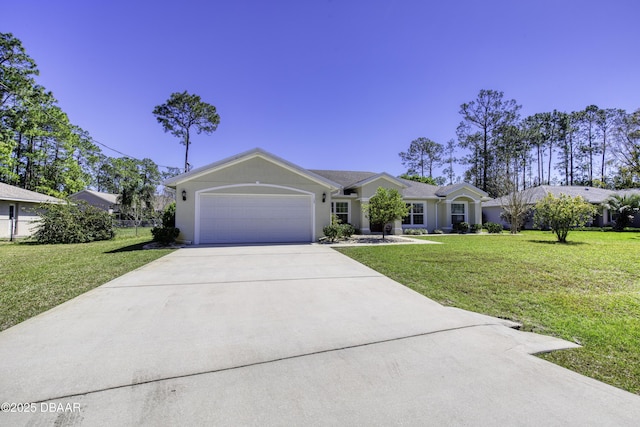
(324, 197)
(184, 195)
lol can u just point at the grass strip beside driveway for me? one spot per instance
(587, 291)
(36, 278)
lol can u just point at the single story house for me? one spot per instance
(19, 210)
(108, 202)
(492, 209)
(257, 197)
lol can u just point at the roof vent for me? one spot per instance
(586, 189)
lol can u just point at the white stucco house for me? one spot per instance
(19, 210)
(256, 197)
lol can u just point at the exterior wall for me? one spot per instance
(492, 214)
(430, 214)
(25, 222)
(258, 176)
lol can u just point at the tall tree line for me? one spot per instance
(592, 147)
(41, 150)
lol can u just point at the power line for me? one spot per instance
(23, 99)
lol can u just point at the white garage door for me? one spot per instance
(255, 218)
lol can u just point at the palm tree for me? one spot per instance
(624, 208)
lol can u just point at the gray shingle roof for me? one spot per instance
(347, 179)
(110, 198)
(344, 178)
(590, 194)
(17, 194)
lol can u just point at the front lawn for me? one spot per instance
(36, 278)
(586, 291)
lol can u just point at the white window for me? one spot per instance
(458, 212)
(341, 210)
(416, 214)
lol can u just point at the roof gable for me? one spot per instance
(109, 198)
(449, 189)
(418, 190)
(376, 177)
(247, 155)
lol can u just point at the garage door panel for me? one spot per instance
(255, 218)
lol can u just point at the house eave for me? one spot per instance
(247, 155)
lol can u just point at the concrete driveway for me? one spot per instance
(284, 335)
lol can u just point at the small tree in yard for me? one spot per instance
(516, 206)
(562, 213)
(624, 209)
(386, 206)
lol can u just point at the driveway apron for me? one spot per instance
(285, 335)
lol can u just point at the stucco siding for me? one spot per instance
(25, 221)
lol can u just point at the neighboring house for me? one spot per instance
(106, 201)
(491, 210)
(19, 210)
(258, 197)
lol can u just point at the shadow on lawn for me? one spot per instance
(555, 242)
(130, 248)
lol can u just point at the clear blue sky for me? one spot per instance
(340, 84)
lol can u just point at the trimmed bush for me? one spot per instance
(73, 223)
(337, 230)
(415, 231)
(476, 228)
(165, 235)
(493, 228)
(346, 230)
(461, 227)
(438, 231)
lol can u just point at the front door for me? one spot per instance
(12, 220)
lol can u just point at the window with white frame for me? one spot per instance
(416, 214)
(458, 212)
(341, 210)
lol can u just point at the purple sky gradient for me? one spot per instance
(325, 84)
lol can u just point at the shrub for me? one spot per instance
(438, 231)
(414, 231)
(73, 223)
(165, 235)
(336, 230)
(331, 232)
(169, 216)
(461, 227)
(623, 208)
(476, 228)
(346, 230)
(493, 228)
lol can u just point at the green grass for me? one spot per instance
(36, 278)
(587, 291)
